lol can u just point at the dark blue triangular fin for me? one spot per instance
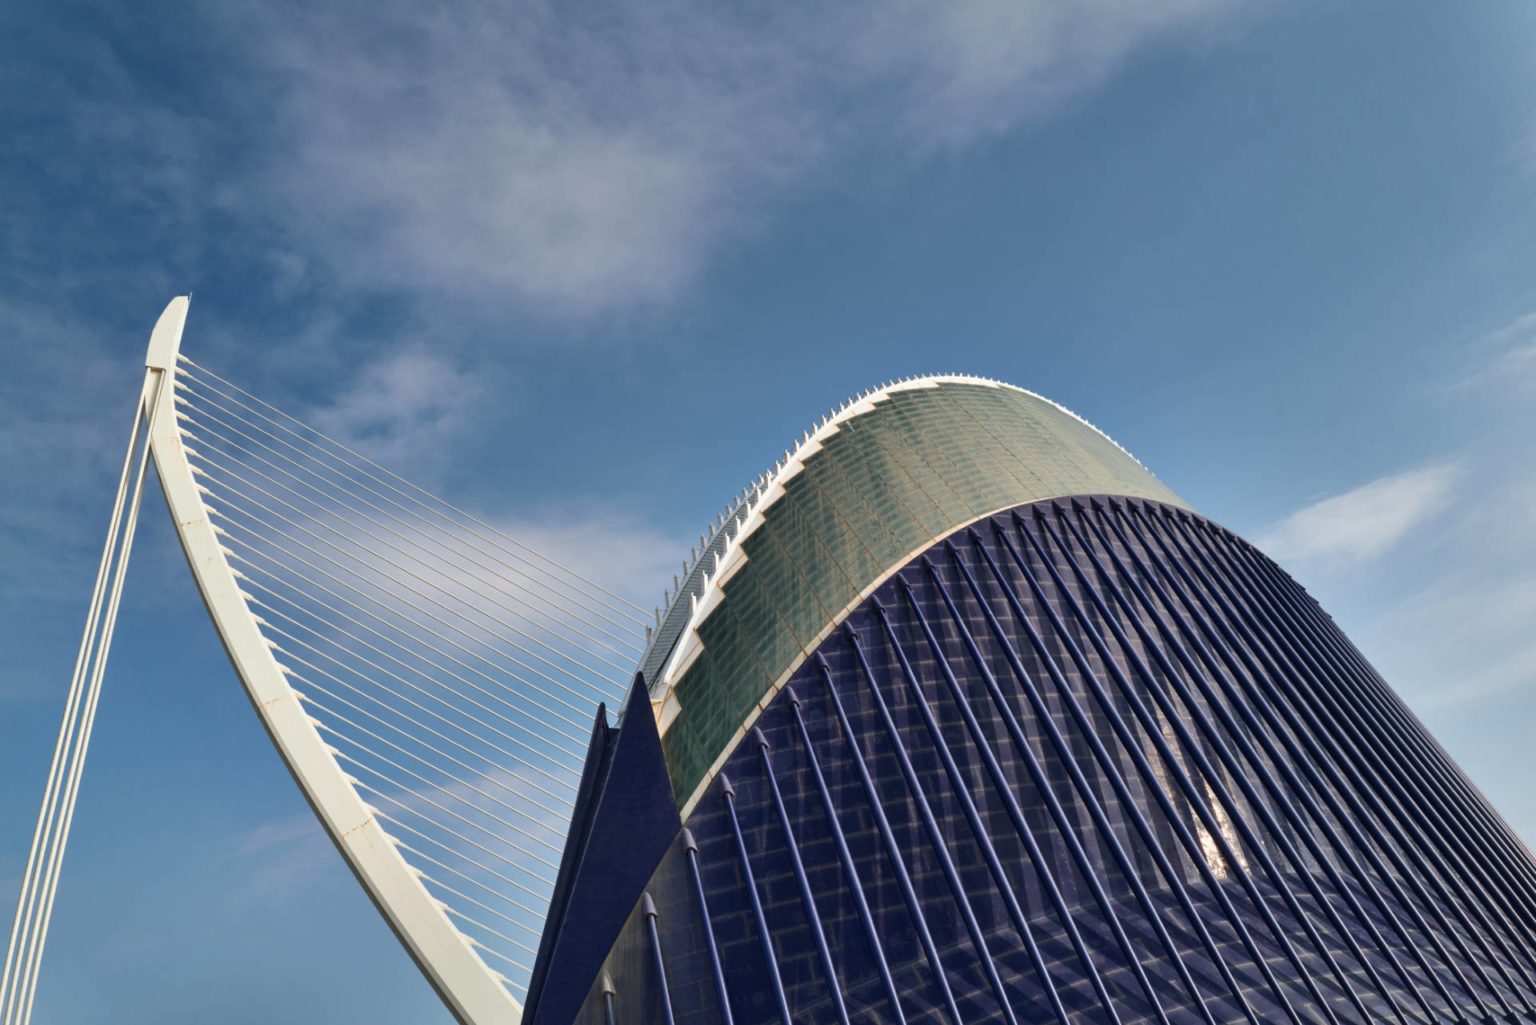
(624, 820)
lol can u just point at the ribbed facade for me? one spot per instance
(1090, 758)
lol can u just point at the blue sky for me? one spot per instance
(586, 272)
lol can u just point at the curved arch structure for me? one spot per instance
(473, 992)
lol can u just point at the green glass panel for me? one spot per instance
(849, 494)
(919, 465)
(785, 590)
(934, 420)
(750, 597)
(959, 476)
(869, 472)
(835, 517)
(735, 659)
(930, 501)
(827, 588)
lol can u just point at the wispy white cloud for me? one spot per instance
(576, 161)
(52, 523)
(403, 410)
(966, 71)
(581, 166)
(1448, 618)
(594, 164)
(630, 558)
(1504, 357)
(506, 598)
(1460, 621)
(282, 858)
(1362, 523)
(1454, 628)
(1483, 643)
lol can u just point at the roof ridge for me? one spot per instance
(696, 576)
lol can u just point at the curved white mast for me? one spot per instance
(471, 990)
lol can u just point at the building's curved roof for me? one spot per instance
(881, 477)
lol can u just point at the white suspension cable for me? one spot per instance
(411, 589)
(448, 722)
(323, 724)
(88, 722)
(489, 950)
(363, 626)
(439, 685)
(340, 468)
(466, 784)
(454, 646)
(439, 884)
(419, 795)
(26, 902)
(493, 932)
(269, 581)
(319, 688)
(212, 482)
(329, 524)
(395, 676)
(212, 471)
(421, 816)
(351, 461)
(34, 912)
(461, 855)
(372, 615)
(468, 879)
(219, 433)
(411, 809)
(562, 768)
(410, 491)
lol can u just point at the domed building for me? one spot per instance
(960, 715)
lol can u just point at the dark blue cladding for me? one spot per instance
(1089, 760)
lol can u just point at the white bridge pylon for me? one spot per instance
(429, 682)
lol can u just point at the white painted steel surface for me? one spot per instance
(475, 994)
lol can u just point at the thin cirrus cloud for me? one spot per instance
(1485, 616)
(1362, 523)
(1508, 356)
(971, 70)
(595, 165)
(280, 858)
(402, 409)
(65, 406)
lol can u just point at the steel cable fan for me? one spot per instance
(429, 682)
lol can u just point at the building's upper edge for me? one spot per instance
(699, 572)
(883, 475)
